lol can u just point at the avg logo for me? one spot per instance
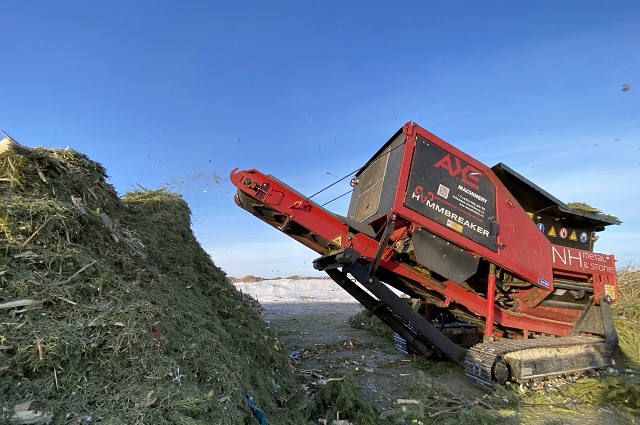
(469, 175)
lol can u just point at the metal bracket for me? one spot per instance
(388, 230)
(585, 323)
(404, 311)
(610, 334)
(394, 311)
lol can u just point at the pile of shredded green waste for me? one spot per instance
(112, 313)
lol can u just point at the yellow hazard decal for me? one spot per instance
(552, 232)
(530, 215)
(610, 290)
(573, 236)
(337, 240)
(455, 226)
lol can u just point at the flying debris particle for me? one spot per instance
(626, 87)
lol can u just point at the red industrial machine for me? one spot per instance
(499, 275)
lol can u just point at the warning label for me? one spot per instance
(584, 237)
(554, 228)
(337, 240)
(455, 226)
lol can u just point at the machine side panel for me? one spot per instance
(447, 190)
(519, 245)
(524, 245)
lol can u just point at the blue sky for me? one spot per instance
(177, 94)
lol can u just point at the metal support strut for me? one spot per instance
(389, 307)
(388, 230)
(491, 294)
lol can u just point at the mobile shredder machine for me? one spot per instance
(497, 274)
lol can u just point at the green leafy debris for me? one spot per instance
(130, 320)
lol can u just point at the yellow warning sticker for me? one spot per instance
(573, 236)
(610, 290)
(552, 232)
(530, 215)
(455, 226)
(337, 240)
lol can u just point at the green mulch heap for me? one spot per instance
(112, 313)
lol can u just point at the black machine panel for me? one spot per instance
(453, 193)
(559, 233)
(375, 191)
(371, 187)
(561, 224)
(443, 257)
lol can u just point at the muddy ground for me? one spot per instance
(325, 346)
(331, 348)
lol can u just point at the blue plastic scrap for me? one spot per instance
(250, 406)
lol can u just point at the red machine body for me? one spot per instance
(483, 243)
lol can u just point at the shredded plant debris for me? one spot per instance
(111, 312)
(588, 209)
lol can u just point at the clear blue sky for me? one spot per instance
(178, 94)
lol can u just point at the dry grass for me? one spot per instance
(629, 286)
(627, 315)
(586, 208)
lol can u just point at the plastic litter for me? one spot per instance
(250, 406)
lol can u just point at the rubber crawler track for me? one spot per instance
(481, 358)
